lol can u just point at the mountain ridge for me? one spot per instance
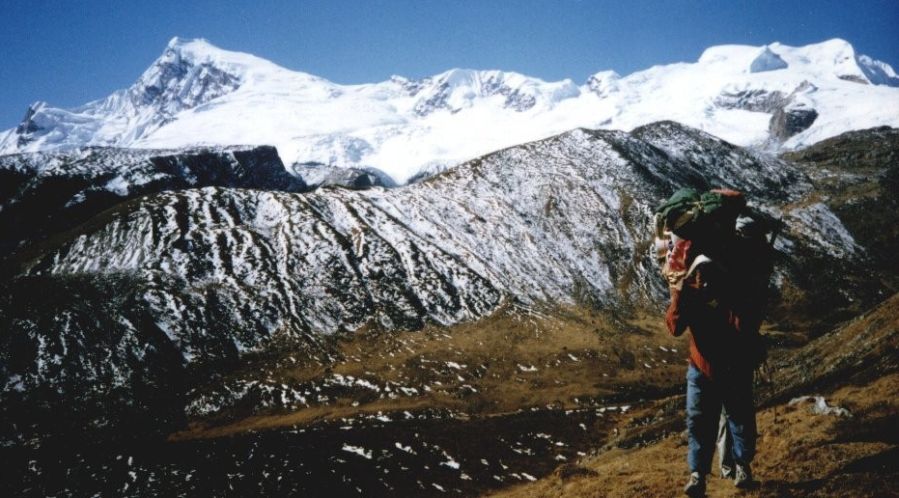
(216, 273)
(198, 94)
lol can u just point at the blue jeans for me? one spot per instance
(705, 398)
(725, 444)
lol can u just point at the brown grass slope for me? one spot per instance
(801, 454)
(515, 359)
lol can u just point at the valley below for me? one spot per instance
(454, 410)
(522, 403)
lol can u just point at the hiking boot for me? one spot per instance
(695, 487)
(743, 477)
(727, 472)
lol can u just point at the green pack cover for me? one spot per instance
(688, 212)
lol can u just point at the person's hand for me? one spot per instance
(675, 269)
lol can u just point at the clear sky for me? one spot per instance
(69, 52)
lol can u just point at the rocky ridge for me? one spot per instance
(44, 193)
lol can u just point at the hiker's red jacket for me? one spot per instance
(703, 302)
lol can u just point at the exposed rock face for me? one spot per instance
(178, 80)
(410, 87)
(752, 100)
(322, 175)
(603, 83)
(788, 121)
(790, 114)
(853, 78)
(793, 114)
(28, 125)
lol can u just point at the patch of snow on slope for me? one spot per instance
(822, 229)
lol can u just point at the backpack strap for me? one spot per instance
(702, 258)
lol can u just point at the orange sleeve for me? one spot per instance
(674, 317)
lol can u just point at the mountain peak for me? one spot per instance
(836, 52)
(835, 57)
(837, 46)
(830, 50)
(848, 64)
(194, 48)
(200, 50)
(177, 41)
(458, 89)
(604, 83)
(191, 72)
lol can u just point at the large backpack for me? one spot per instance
(706, 219)
(738, 240)
(750, 260)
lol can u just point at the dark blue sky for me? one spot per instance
(70, 52)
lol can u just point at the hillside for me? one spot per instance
(208, 275)
(857, 176)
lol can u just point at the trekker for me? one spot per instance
(717, 293)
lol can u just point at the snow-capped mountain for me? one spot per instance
(775, 96)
